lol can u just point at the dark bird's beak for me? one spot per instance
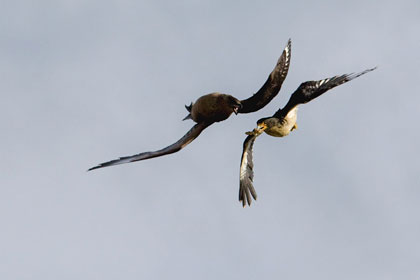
(236, 108)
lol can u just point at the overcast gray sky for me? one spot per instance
(84, 82)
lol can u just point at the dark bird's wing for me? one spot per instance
(246, 188)
(272, 86)
(312, 89)
(181, 143)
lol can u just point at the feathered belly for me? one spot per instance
(285, 125)
(279, 131)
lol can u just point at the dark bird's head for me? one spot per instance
(234, 103)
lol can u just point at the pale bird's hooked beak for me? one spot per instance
(261, 127)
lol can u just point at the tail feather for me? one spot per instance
(187, 117)
(189, 107)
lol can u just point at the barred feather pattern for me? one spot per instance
(246, 188)
(310, 90)
(273, 84)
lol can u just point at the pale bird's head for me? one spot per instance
(262, 123)
(261, 126)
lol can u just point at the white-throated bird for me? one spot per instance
(280, 125)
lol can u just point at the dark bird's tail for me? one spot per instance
(189, 110)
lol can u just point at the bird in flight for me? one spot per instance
(216, 107)
(281, 124)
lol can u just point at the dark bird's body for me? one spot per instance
(216, 107)
(213, 107)
(280, 125)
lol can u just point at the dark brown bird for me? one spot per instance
(216, 107)
(281, 124)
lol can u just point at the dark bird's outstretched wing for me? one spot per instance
(272, 86)
(246, 188)
(175, 147)
(312, 89)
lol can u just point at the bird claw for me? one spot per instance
(255, 132)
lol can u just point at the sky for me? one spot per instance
(83, 82)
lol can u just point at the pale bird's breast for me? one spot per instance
(284, 126)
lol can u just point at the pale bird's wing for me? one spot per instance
(272, 86)
(312, 89)
(246, 174)
(175, 147)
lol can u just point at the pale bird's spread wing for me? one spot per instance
(312, 89)
(181, 143)
(246, 188)
(272, 86)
